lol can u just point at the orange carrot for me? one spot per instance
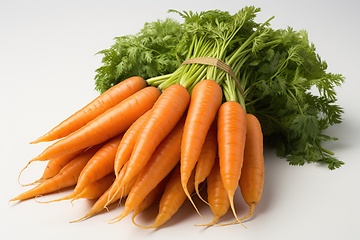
(67, 177)
(217, 194)
(55, 165)
(100, 104)
(205, 101)
(165, 114)
(96, 189)
(172, 198)
(127, 143)
(231, 144)
(114, 193)
(161, 163)
(107, 125)
(52, 168)
(153, 197)
(100, 165)
(206, 159)
(252, 175)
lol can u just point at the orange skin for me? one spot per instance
(252, 176)
(105, 126)
(67, 177)
(100, 104)
(205, 101)
(165, 114)
(231, 145)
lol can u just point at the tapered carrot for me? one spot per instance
(150, 200)
(231, 144)
(100, 165)
(161, 163)
(217, 195)
(96, 189)
(67, 177)
(100, 104)
(172, 199)
(55, 165)
(52, 168)
(107, 125)
(114, 193)
(206, 159)
(127, 143)
(252, 174)
(165, 114)
(206, 99)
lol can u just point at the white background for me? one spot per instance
(47, 64)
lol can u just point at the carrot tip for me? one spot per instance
(191, 200)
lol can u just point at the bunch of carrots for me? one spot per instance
(159, 140)
(155, 148)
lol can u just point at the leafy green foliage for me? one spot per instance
(155, 50)
(285, 82)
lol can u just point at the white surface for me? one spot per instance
(47, 65)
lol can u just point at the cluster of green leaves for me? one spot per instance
(157, 49)
(289, 90)
(283, 81)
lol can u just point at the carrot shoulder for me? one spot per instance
(100, 104)
(107, 125)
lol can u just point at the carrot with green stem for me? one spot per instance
(67, 177)
(100, 104)
(252, 174)
(100, 165)
(206, 159)
(161, 163)
(165, 114)
(127, 143)
(206, 99)
(107, 125)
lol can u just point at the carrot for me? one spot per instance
(107, 125)
(161, 163)
(172, 198)
(100, 165)
(206, 159)
(165, 114)
(252, 175)
(115, 192)
(67, 177)
(127, 143)
(217, 194)
(100, 104)
(52, 168)
(96, 189)
(205, 101)
(231, 144)
(149, 200)
(55, 165)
